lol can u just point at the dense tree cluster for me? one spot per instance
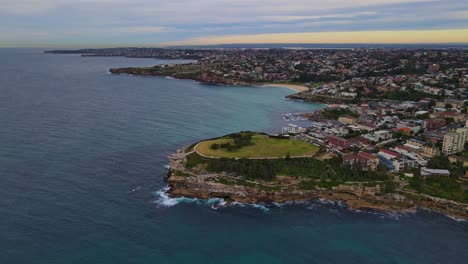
(241, 140)
(409, 95)
(297, 167)
(335, 113)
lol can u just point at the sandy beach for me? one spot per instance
(297, 88)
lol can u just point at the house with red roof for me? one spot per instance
(405, 130)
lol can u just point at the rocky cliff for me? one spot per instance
(197, 183)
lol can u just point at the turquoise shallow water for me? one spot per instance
(82, 155)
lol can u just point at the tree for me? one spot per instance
(214, 146)
(416, 172)
(440, 162)
(449, 120)
(416, 183)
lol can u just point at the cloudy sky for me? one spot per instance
(77, 23)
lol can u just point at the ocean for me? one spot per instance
(82, 159)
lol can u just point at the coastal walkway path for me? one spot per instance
(251, 158)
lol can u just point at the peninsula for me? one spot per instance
(253, 167)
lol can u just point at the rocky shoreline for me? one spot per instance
(355, 199)
(303, 96)
(138, 72)
(204, 185)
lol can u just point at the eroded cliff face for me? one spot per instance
(208, 188)
(444, 206)
(355, 197)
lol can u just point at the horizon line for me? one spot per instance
(112, 46)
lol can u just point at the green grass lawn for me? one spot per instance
(263, 147)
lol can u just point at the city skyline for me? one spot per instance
(88, 23)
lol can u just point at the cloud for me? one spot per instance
(288, 18)
(206, 7)
(138, 30)
(156, 21)
(459, 14)
(422, 36)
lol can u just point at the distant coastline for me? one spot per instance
(137, 72)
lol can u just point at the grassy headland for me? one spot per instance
(262, 147)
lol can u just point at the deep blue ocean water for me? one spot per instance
(82, 159)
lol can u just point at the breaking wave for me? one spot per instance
(164, 200)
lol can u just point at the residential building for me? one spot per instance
(378, 136)
(367, 127)
(415, 142)
(434, 123)
(292, 129)
(458, 159)
(347, 120)
(366, 160)
(387, 158)
(429, 152)
(433, 68)
(425, 172)
(339, 142)
(457, 117)
(455, 141)
(453, 102)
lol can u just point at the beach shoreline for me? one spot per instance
(297, 88)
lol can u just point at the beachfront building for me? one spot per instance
(292, 129)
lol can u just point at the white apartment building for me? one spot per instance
(292, 129)
(455, 141)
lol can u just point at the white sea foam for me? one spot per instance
(136, 189)
(325, 201)
(238, 204)
(163, 199)
(459, 220)
(261, 207)
(278, 204)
